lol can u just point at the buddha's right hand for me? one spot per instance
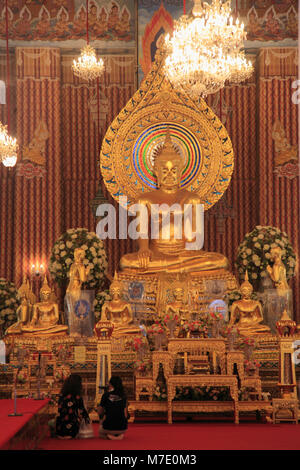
(144, 256)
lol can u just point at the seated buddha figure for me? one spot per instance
(246, 313)
(118, 312)
(78, 274)
(170, 250)
(177, 307)
(45, 315)
(23, 316)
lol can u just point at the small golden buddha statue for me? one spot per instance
(246, 313)
(26, 290)
(118, 312)
(23, 316)
(177, 307)
(45, 317)
(170, 254)
(78, 274)
(278, 272)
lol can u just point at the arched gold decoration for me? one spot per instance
(130, 143)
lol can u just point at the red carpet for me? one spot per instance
(10, 426)
(192, 436)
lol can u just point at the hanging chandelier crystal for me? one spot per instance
(87, 66)
(205, 50)
(8, 147)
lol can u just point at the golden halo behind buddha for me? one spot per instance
(137, 136)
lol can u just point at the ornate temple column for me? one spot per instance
(38, 190)
(277, 148)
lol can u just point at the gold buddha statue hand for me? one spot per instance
(246, 313)
(278, 272)
(23, 316)
(45, 317)
(174, 247)
(78, 274)
(118, 312)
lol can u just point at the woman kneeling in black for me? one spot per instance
(112, 411)
(71, 410)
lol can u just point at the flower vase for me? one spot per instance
(158, 340)
(248, 351)
(141, 353)
(251, 372)
(171, 324)
(215, 329)
(231, 340)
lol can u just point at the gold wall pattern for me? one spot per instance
(279, 196)
(82, 145)
(38, 202)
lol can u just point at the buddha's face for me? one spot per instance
(168, 173)
(246, 292)
(178, 294)
(45, 295)
(276, 254)
(79, 255)
(115, 292)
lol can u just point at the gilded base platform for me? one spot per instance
(157, 288)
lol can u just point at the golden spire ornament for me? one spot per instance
(87, 66)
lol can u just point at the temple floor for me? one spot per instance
(190, 436)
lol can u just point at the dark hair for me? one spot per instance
(72, 386)
(116, 383)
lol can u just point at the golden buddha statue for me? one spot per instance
(45, 317)
(78, 274)
(177, 307)
(25, 289)
(278, 272)
(118, 312)
(246, 313)
(23, 316)
(161, 254)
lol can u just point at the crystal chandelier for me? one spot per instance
(8, 147)
(205, 50)
(8, 144)
(87, 66)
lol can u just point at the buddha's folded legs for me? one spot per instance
(190, 261)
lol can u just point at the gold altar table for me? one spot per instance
(235, 357)
(180, 407)
(166, 359)
(214, 346)
(202, 381)
(285, 404)
(255, 405)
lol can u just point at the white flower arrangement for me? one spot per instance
(62, 257)
(254, 253)
(8, 304)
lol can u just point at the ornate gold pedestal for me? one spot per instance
(158, 287)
